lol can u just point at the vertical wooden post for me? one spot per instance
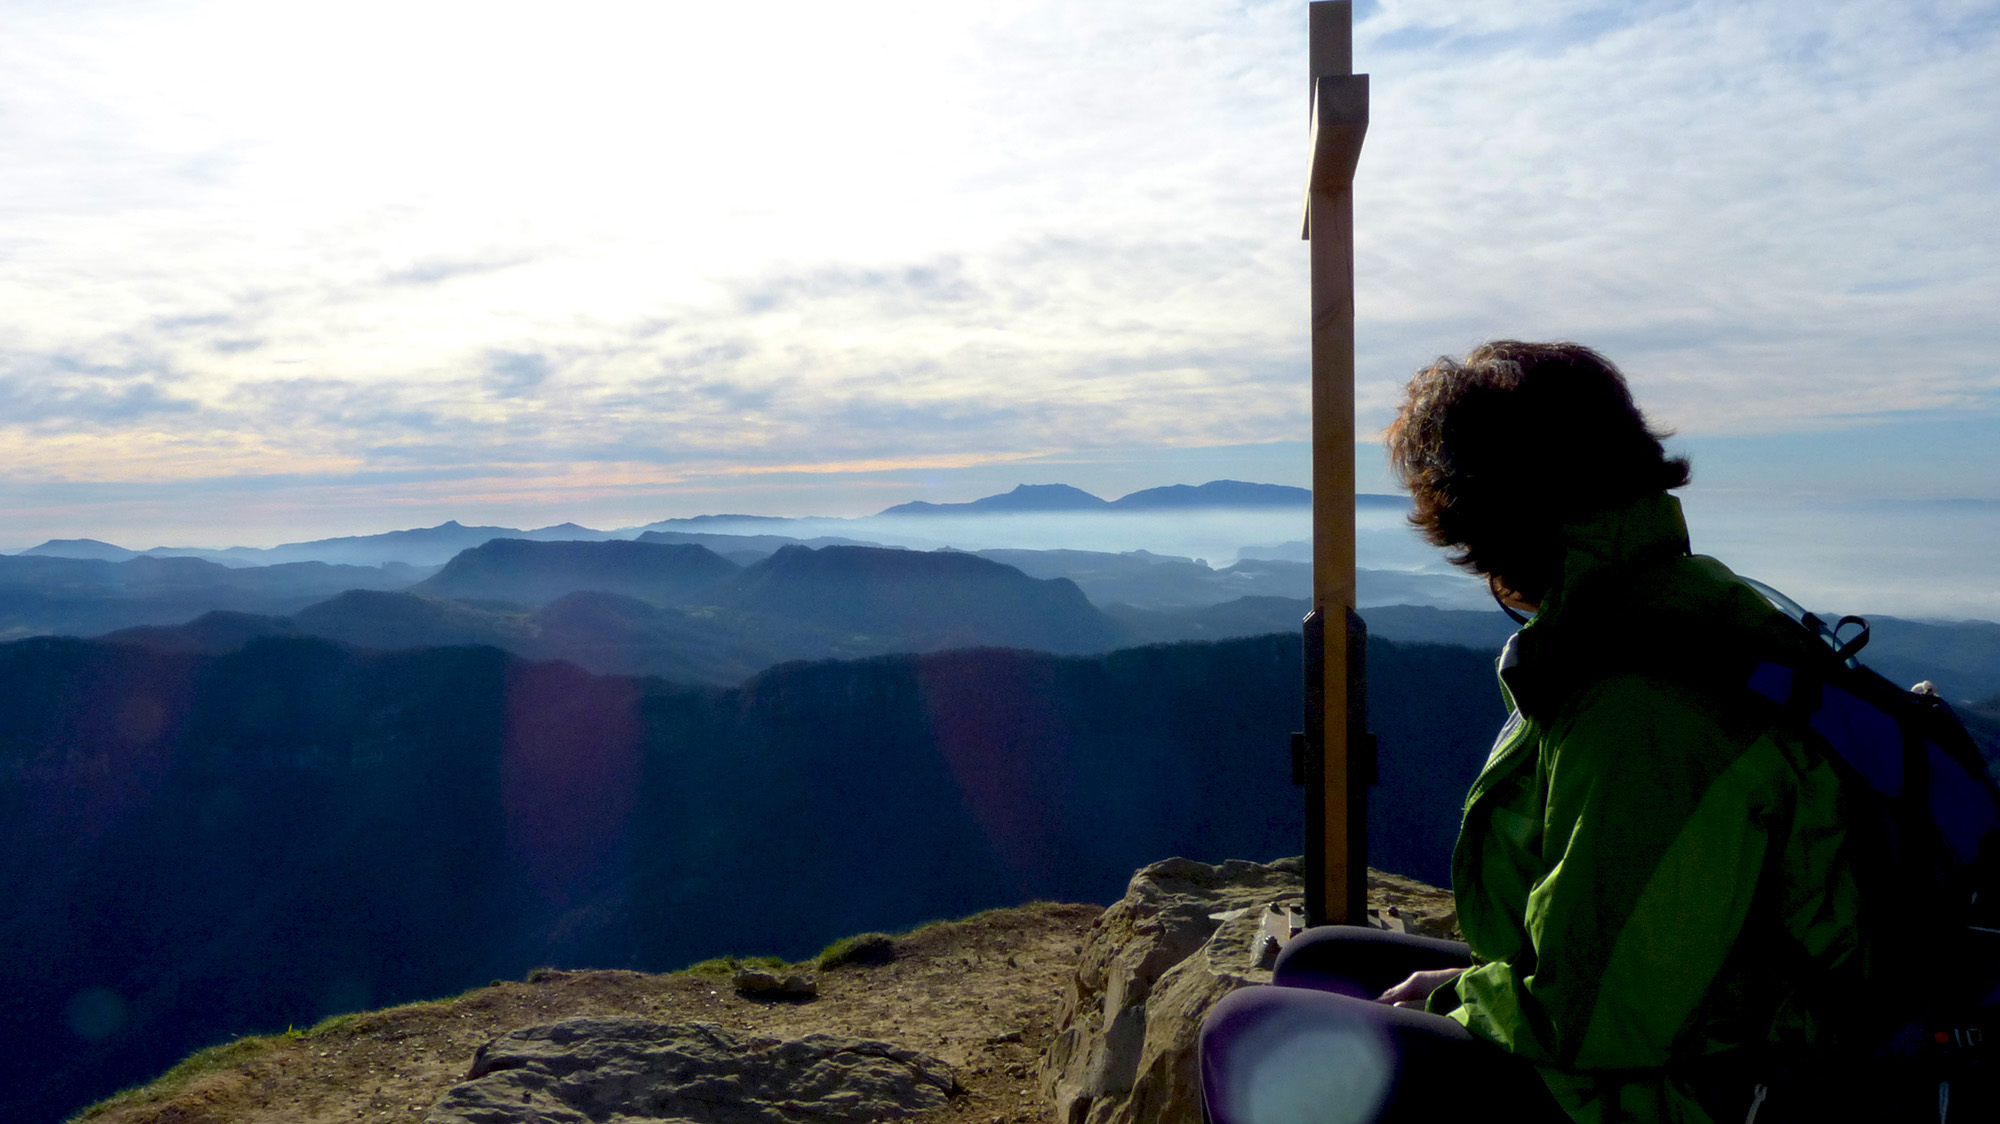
(1336, 859)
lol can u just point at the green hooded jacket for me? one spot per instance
(1648, 873)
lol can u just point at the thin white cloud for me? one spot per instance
(1773, 213)
(317, 237)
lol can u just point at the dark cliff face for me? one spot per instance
(194, 846)
(199, 846)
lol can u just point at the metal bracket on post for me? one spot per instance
(1361, 771)
(1309, 766)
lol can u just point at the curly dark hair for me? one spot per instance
(1503, 448)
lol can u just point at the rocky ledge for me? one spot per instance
(1184, 935)
(1044, 1012)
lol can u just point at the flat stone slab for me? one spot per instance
(634, 1071)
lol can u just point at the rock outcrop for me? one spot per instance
(1184, 935)
(637, 1071)
(756, 983)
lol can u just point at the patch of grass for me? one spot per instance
(880, 948)
(332, 1023)
(227, 1055)
(722, 967)
(250, 1048)
(861, 948)
(982, 915)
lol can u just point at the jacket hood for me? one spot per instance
(1646, 531)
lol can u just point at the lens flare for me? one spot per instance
(1313, 1068)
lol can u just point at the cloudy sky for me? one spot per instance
(276, 271)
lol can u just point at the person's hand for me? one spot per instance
(1413, 991)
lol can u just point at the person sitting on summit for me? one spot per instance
(1655, 887)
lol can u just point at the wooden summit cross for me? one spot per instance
(1336, 755)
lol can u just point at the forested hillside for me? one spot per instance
(193, 846)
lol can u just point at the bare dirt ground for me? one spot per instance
(978, 993)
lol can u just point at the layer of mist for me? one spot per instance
(1924, 559)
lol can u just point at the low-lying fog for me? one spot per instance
(1920, 559)
(1923, 560)
(1219, 537)
(1215, 535)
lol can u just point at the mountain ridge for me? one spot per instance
(534, 573)
(433, 546)
(1062, 498)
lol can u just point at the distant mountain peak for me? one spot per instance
(1215, 493)
(711, 520)
(1062, 497)
(1024, 498)
(1059, 492)
(532, 572)
(82, 548)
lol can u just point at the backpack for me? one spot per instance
(1926, 817)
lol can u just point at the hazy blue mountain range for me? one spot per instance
(505, 584)
(683, 612)
(419, 546)
(424, 546)
(46, 594)
(687, 614)
(1144, 596)
(745, 549)
(715, 520)
(433, 546)
(209, 845)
